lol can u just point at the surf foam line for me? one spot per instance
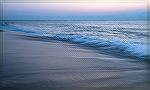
(127, 49)
(117, 48)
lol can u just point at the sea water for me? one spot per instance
(118, 38)
(122, 47)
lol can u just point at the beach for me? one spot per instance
(74, 45)
(39, 64)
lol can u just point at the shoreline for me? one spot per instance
(30, 63)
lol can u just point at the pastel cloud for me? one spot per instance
(77, 7)
(42, 10)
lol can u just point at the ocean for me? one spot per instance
(71, 55)
(127, 39)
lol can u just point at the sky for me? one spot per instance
(74, 1)
(75, 10)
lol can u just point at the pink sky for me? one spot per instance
(78, 7)
(76, 10)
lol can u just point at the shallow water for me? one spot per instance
(123, 38)
(36, 57)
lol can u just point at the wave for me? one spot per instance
(113, 47)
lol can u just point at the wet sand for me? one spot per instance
(39, 64)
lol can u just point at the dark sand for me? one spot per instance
(36, 64)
